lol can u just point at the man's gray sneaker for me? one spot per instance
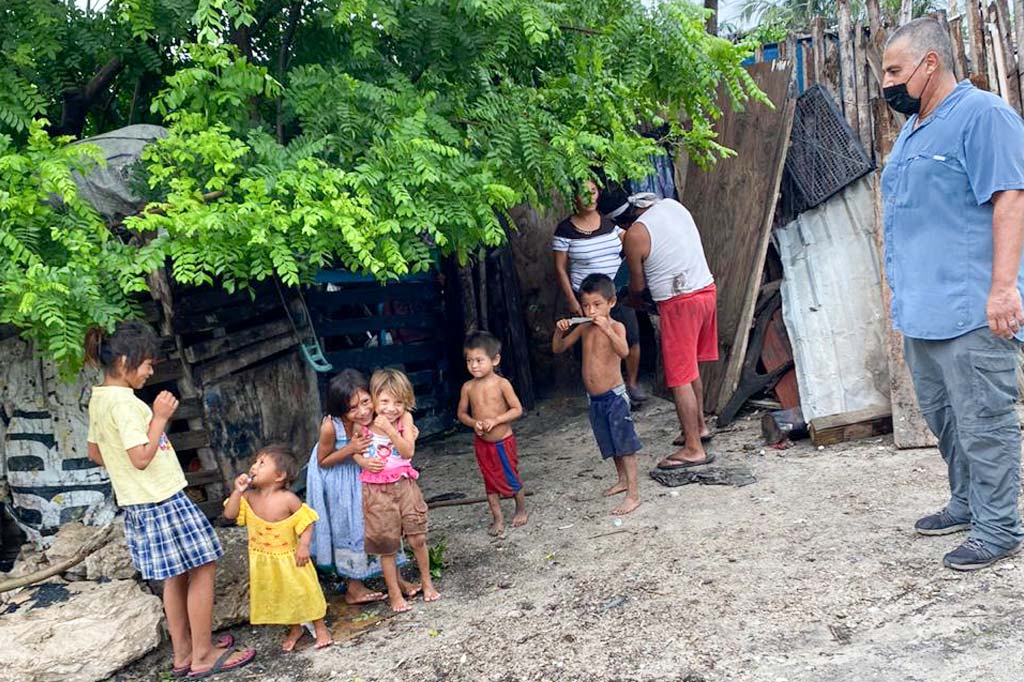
(972, 555)
(940, 523)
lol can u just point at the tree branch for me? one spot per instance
(79, 101)
(283, 59)
(581, 29)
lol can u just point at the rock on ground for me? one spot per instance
(96, 630)
(231, 598)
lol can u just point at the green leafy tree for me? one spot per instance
(374, 134)
(796, 15)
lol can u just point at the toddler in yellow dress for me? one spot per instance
(283, 585)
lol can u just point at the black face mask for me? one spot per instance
(897, 97)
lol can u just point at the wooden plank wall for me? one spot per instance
(733, 205)
(408, 324)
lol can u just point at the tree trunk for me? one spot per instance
(78, 102)
(712, 26)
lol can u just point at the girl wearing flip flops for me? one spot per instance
(167, 535)
(283, 585)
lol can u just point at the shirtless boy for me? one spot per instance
(488, 405)
(604, 348)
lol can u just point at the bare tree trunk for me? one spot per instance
(712, 26)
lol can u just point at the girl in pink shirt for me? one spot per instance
(393, 506)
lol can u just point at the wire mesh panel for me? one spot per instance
(824, 156)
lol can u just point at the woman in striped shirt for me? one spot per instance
(586, 243)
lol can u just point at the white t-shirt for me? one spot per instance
(676, 264)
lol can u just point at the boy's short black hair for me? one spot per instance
(343, 387)
(485, 341)
(598, 284)
(284, 459)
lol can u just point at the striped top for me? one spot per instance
(597, 252)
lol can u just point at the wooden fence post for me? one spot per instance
(861, 74)
(976, 36)
(994, 80)
(956, 36)
(821, 50)
(1010, 84)
(906, 11)
(848, 66)
(1018, 20)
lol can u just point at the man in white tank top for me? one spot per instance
(665, 255)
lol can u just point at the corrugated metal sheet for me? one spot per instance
(832, 304)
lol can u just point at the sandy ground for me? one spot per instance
(812, 573)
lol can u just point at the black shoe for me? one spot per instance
(972, 555)
(940, 523)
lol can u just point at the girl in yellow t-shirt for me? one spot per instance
(283, 586)
(168, 537)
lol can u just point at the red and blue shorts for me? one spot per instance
(499, 465)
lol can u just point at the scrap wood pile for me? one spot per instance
(796, 248)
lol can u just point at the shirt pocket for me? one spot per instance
(936, 182)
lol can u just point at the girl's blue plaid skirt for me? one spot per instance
(169, 538)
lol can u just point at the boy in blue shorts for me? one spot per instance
(604, 348)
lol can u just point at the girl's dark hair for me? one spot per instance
(343, 387)
(284, 459)
(134, 340)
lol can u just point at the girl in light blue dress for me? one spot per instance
(334, 491)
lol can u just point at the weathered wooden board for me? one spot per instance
(775, 353)
(371, 358)
(372, 295)
(733, 205)
(908, 425)
(360, 325)
(207, 350)
(872, 421)
(234, 362)
(275, 402)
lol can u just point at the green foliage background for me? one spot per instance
(370, 134)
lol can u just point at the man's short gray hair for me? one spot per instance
(925, 35)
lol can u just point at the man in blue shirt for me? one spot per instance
(954, 231)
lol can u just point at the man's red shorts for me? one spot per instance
(689, 334)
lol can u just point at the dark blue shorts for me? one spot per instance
(613, 424)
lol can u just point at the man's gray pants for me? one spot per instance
(967, 390)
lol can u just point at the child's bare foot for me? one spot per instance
(359, 594)
(520, 519)
(497, 529)
(294, 635)
(409, 589)
(619, 487)
(430, 594)
(323, 635)
(398, 604)
(629, 504)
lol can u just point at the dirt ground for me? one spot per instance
(812, 573)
